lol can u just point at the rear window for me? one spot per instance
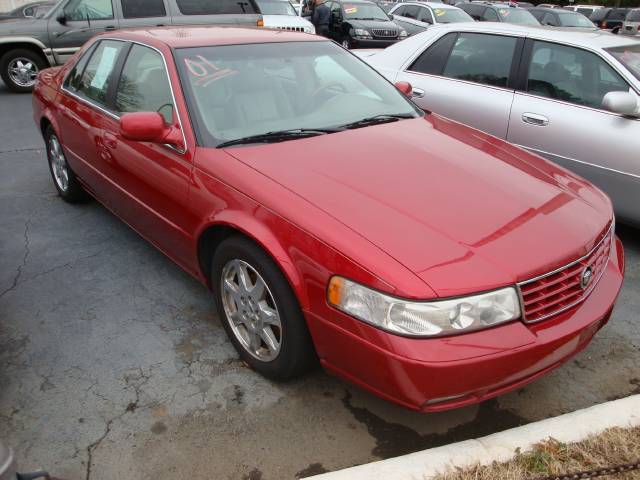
(217, 7)
(633, 16)
(618, 14)
(629, 56)
(574, 20)
(517, 15)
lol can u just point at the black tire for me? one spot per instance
(36, 60)
(72, 192)
(296, 354)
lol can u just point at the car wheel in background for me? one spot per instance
(19, 68)
(63, 177)
(259, 310)
(347, 43)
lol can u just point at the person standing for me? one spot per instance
(320, 18)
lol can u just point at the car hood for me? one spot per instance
(462, 210)
(367, 24)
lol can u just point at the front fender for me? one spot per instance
(20, 40)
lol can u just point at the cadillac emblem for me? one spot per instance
(587, 273)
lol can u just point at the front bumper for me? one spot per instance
(450, 372)
(373, 43)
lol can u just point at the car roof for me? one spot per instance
(587, 37)
(209, 35)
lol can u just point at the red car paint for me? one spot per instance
(421, 209)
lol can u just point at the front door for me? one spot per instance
(150, 181)
(559, 115)
(77, 21)
(467, 77)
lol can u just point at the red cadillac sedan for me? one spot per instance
(432, 264)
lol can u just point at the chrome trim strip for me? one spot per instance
(585, 294)
(117, 117)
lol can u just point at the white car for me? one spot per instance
(282, 15)
(570, 96)
(586, 10)
(416, 17)
(631, 24)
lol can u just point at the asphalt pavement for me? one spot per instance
(113, 363)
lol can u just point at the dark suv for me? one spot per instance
(362, 24)
(498, 13)
(609, 18)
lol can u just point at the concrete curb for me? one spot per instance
(571, 427)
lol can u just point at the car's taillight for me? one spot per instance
(603, 24)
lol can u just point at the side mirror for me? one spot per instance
(624, 103)
(149, 127)
(61, 19)
(405, 88)
(390, 15)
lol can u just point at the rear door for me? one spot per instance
(139, 13)
(467, 77)
(557, 113)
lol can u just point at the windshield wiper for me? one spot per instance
(377, 119)
(280, 136)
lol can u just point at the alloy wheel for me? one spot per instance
(251, 310)
(345, 44)
(23, 71)
(58, 164)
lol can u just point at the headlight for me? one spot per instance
(439, 317)
(403, 34)
(361, 32)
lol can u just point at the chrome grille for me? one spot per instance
(384, 32)
(290, 29)
(545, 296)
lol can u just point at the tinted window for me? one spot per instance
(474, 10)
(618, 14)
(425, 15)
(433, 59)
(571, 75)
(143, 8)
(585, 11)
(144, 85)
(481, 58)
(96, 78)
(411, 11)
(73, 79)
(81, 10)
(217, 7)
(490, 15)
(549, 19)
(537, 13)
(633, 16)
(599, 14)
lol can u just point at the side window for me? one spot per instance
(144, 85)
(433, 59)
(73, 79)
(572, 75)
(96, 77)
(481, 58)
(143, 8)
(475, 11)
(81, 10)
(400, 11)
(550, 19)
(198, 7)
(537, 14)
(412, 11)
(424, 15)
(490, 15)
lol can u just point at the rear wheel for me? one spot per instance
(63, 177)
(259, 311)
(19, 69)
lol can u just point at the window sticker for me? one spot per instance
(104, 68)
(439, 12)
(206, 71)
(350, 9)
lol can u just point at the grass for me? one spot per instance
(612, 447)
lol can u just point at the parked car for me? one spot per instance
(416, 17)
(362, 24)
(30, 10)
(609, 18)
(264, 163)
(549, 5)
(574, 99)
(631, 22)
(282, 15)
(27, 46)
(556, 17)
(586, 10)
(482, 12)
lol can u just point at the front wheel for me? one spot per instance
(19, 69)
(259, 310)
(63, 177)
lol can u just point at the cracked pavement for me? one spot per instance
(114, 365)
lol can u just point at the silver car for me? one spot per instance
(631, 25)
(572, 97)
(416, 17)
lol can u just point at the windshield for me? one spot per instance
(517, 15)
(276, 7)
(574, 20)
(364, 11)
(633, 16)
(629, 56)
(237, 91)
(451, 15)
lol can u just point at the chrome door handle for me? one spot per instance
(535, 119)
(417, 93)
(110, 28)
